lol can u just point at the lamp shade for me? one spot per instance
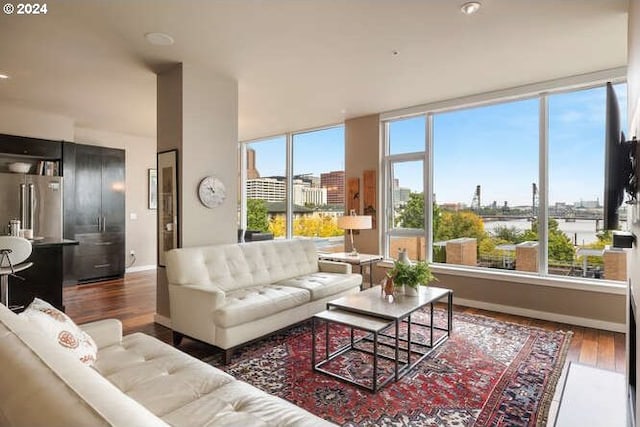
(354, 222)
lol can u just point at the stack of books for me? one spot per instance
(48, 168)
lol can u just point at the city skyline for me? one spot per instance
(505, 135)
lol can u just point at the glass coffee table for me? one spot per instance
(386, 327)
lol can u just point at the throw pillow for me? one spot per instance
(62, 330)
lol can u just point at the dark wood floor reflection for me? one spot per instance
(133, 299)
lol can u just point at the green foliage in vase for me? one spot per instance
(412, 275)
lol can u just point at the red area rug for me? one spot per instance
(489, 373)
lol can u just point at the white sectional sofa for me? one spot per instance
(228, 295)
(136, 381)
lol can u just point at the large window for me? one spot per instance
(576, 240)
(318, 187)
(485, 184)
(405, 187)
(302, 198)
(495, 203)
(266, 186)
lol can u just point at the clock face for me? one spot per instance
(211, 192)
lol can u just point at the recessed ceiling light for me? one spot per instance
(470, 8)
(4, 76)
(395, 52)
(159, 39)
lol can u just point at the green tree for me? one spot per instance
(560, 246)
(411, 214)
(257, 215)
(506, 234)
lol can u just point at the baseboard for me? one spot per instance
(140, 268)
(162, 320)
(543, 315)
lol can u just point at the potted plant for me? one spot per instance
(411, 276)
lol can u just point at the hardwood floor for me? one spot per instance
(133, 299)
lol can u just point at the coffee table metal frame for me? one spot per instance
(372, 325)
(370, 304)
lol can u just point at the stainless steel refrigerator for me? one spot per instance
(33, 199)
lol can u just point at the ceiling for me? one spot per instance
(298, 63)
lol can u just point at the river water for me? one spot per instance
(581, 232)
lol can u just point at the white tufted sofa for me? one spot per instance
(136, 381)
(227, 295)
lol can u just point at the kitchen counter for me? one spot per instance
(52, 242)
(44, 278)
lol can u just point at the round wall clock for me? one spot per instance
(211, 192)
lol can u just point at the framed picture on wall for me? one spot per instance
(167, 200)
(153, 188)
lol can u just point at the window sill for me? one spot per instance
(577, 283)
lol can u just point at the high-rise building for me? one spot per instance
(252, 172)
(334, 183)
(303, 195)
(309, 179)
(268, 189)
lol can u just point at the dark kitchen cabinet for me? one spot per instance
(43, 279)
(94, 212)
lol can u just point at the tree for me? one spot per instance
(329, 227)
(316, 226)
(605, 238)
(277, 226)
(507, 234)
(460, 224)
(411, 214)
(257, 215)
(560, 246)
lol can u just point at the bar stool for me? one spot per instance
(13, 252)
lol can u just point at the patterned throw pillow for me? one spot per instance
(61, 328)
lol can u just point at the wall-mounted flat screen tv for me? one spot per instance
(619, 166)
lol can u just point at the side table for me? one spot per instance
(360, 260)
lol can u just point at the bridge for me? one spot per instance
(568, 218)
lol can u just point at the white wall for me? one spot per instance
(35, 124)
(209, 147)
(198, 116)
(140, 157)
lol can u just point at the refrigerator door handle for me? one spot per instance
(23, 200)
(30, 206)
(99, 224)
(104, 224)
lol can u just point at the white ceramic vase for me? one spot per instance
(403, 257)
(410, 291)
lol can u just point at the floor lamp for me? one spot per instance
(354, 222)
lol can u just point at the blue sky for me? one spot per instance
(313, 152)
(494, 146)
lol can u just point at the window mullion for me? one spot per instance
(243, 185)
(289, 187)
(428, 189)
(543, 188)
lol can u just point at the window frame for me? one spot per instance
(289, 167)
(540, 91)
